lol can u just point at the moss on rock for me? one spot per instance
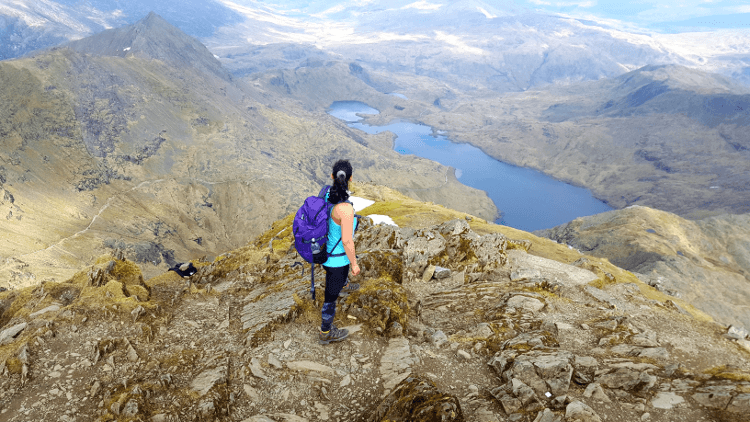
(417, 399)
(379, 303)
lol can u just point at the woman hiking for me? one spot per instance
(341, 225)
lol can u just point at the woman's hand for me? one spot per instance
(355, 269)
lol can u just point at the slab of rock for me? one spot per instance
(7, 335)
(207, 379)
(605, 297)
(567, 275)
(417, 399)
(582, 412)
(276, 417)
(740, 404)
(395, 365)
(306, 365)
(525, 304)
(51, 308)
(277, 306)
(715, 397)
(666, 400)
(628, 380)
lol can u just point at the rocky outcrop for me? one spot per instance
(682, 258)
(505, 340)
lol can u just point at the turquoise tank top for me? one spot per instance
(334, 237)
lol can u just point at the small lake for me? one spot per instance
(528, 199)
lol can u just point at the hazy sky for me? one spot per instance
(657, 15)
(664, 15)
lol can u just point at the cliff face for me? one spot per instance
(706, 262)
(456, 319)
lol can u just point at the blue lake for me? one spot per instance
(528, 199)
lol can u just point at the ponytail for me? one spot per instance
(342, 172)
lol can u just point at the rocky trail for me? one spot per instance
(449, 325)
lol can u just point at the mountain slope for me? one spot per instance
(162, 158)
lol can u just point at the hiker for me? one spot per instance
(341, 226)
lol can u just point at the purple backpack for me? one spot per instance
(310, 229)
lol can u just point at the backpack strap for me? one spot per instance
(324, 191)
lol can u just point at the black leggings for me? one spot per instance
(335, 281)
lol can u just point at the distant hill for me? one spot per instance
(152, 38)
(470, 44)
(705, 262)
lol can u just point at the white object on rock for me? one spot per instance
(360, 203)
(382, 219)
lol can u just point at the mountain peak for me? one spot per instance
(152, 38)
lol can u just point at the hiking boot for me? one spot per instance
(334, 334)
(350, 287)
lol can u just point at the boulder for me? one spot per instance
(7, 335)
(441, 273)
(579, 411)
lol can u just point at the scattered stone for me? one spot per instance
(628, 380)
(428, 273)
(547, 415)
(273, 361)
(582, 412)
(595, 391)
(464, 354)
(256, 369)
(306, 365)
(207, 379)
(132, 354)
(346, 381)
(251, 392)
(737, 333)
(441, 273)
(438, 339)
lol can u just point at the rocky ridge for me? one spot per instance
(454, 321)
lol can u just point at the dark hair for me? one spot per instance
(341, 173)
